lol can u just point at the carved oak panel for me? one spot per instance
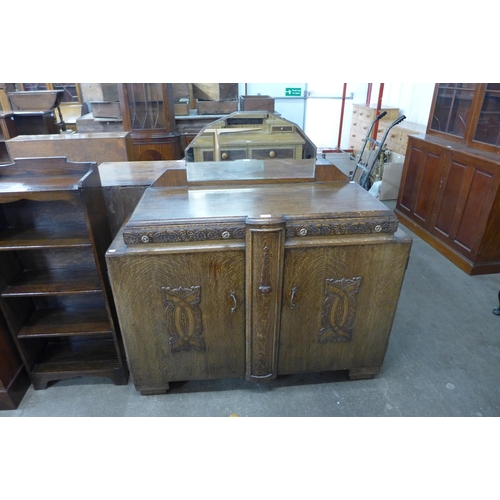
(339, 309)
(184, 321)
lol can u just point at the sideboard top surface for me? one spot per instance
(284, 200)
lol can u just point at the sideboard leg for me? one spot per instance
(150, 391)
(363, 373)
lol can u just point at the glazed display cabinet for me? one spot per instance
(148, 113)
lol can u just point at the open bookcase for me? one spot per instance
(55, 294)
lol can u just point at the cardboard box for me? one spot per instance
(391, 178)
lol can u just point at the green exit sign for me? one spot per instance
(291, 92)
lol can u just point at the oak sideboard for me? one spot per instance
(255, 273)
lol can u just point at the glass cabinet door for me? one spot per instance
(146, 106)
(451, 111)
(488, 124)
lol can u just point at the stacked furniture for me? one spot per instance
(397, 140)
(362, 118)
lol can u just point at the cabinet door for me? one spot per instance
(338, 306)
(464, 202)
(182, 315)
(420, 180)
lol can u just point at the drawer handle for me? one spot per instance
(272, 154)
(294, 291)
(233, 309)
(224, 156)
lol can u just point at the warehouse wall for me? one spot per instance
(319, 114)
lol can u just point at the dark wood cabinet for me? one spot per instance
(7, 130)
(468, 114)
(252, 272)
(14, 379)
(450, 187)
(55, 294)
(450, 196)
(147, 111)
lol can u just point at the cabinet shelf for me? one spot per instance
(19, 238)
(66, 322)
(56, 282)
(95, 357)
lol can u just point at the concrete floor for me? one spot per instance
(443, 360)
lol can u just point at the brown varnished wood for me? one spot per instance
(14, 380)
(54, 288)
(456, 209)
(278, 243)
(326, 173)
(137, 284)
(293, 201)
(56, 323)
(124, 183)
(151, 144)
(80, 358)
(265, 238)
(380, 265)
(136, 173)
(80, 147)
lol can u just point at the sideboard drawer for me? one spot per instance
(267, 153)
(226, 155)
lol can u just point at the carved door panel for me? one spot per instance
(338, 307)
(185, 316)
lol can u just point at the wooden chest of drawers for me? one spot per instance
(250, 135)
(397, 140)
(362, 118)
(242, 280)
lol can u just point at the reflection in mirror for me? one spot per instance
(250, 135)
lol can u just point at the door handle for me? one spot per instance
(233, 309)
(294, 291)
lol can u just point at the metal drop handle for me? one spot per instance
(233, 309)
(294, 291)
